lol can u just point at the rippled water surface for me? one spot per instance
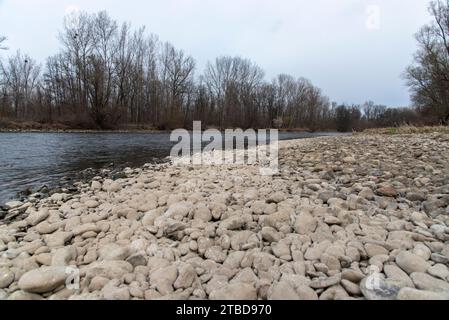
(37, 159)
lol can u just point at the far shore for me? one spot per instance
(5, 130)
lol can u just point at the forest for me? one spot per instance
(112, 76)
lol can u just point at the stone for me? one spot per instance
(276, 197)
(203, 213)
(47, 228)
(331, 262)
(88, 227)
(281, 250)
(420, 295)
(112, 186)
(259, 207)
(110, 292)
(351, 287)
(20, 295)
(13, 205)
(422, 250)
(416, 196)
(112, 251)
(138, 259)
(323, 283)
(270, 234)
(352, 275)
(58, 239)
(6, 278)
(63, 256)
(234, 291)
(315, 252)
(163, 279)
(331, 220)
(108, 269)
(410, 262)
(186, 276)
(387, 191)
(395, 273)
(439, 271)
(325, 196)
(98, 283)
(96, 185)
(282, 291)
(424, 281)
(216, 254)
(233, 223)
(367, 194)
(375, 250)
(149, 218)
(43, 280)
(245, 276)
(58, 197)
(305, 223)
(91, 204)
(376, 288)
(439, 258)
(37, 217)
(180, 209)
(306, 293)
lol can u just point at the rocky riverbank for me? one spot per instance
(362, 217)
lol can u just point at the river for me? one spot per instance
(31, 160)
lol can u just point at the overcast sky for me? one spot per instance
(355, 50)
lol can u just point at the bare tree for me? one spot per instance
(233, 82)
(108, 75)
(2, 40)
(428, 77)
(20, 74)
(177, 78)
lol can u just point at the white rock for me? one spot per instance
(305, 223)
(13, 204)
(44, 279)
(414, 294)
(439, 271)
(108, 269)
(186, 276)
(37, 217)
(63, 256)
(424, 281)
(282, 291)
(111, 292)
(112, 251)
(235, 291)
(6, 278)
(96, 185)
(163, 279)
(410, 262)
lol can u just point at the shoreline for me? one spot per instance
(106, 172)
(144, 131)
(340, 208)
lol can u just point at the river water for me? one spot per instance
(31, 160)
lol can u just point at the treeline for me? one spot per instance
(110, 76)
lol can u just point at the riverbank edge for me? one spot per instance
(74, 186)
(8, 216)
(3, 130)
